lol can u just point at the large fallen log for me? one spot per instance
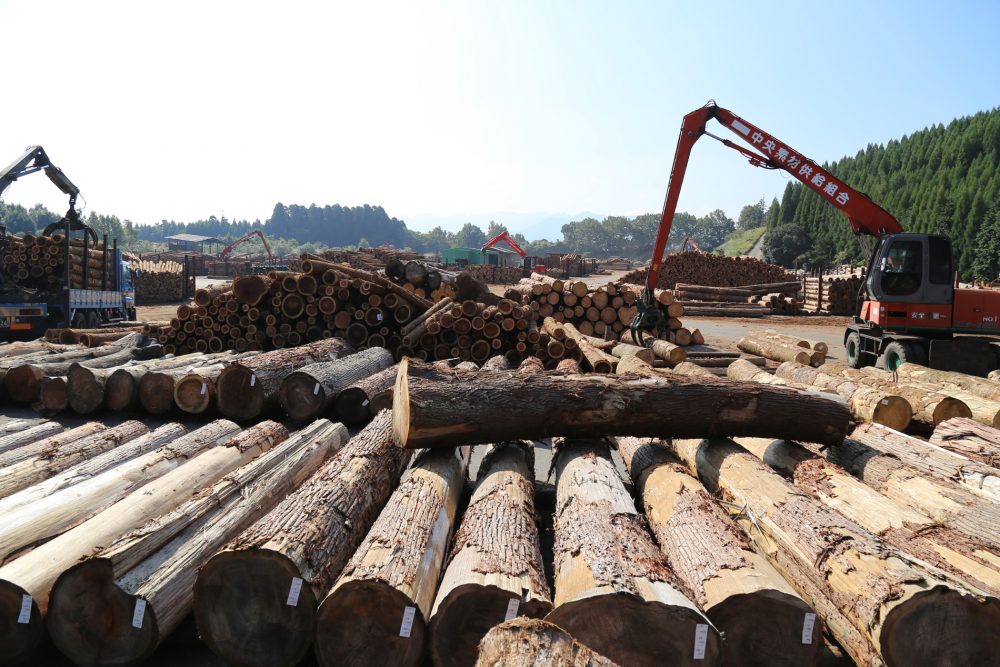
(431, 407)
(974, 385)
(495, 568)
(776, 351)
(247, 388)
(817, 345)
(615, 592)
(970, 561)
(27, 436)
(388, 587)
(33, 574)
(53, 514)
(310, 391)
(155, 567)
(735, 586)
(50, 443)
(360, 402)
(931, 460)
(970, 439)
(242, 602)
(984, 410)
(121, 388)
(529, 642)
(878, 602)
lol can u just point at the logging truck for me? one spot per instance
(96, 287)
(909, 308)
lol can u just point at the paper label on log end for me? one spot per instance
(407, 626)
(293, 592)
(204, 388)
(808, 623)
(25, 616)
(139, 613)
(512, 606)
(316, 389)
(364, 403)
(884, 401)
(253, 380)
(700, 639)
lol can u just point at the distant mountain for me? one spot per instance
(534, 226)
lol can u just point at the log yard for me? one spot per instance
(235, 432)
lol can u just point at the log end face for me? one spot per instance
(238, 394)
(242, 606)
(192, 394)
(894, 412)
(302, 397)
(19, 640)
(949, 408)
(22, 383)
(768, 628)
(94, 621)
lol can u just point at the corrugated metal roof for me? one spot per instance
(194, 238)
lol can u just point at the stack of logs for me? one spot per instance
(744, 301)
(833, 295)
(495, 275)
(40, 262)
(703, 268)
(368, 259)
(781, 347)
(159, 281)
(423, 280)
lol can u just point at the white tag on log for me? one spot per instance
(316, 389)
(253, 380)
(204, 388)
(364, 403)
(884, 401)
(808, 623)
(512, 606)
(378, 316)
(293, 592)
(407, 626)
(25, 614)
(700, 638)
(139, 613)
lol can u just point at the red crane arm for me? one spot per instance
(504, 236)
(229, 248)
(865, 216)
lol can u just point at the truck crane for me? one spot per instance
(909, 307)
(530, 263)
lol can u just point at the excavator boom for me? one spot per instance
(229, 248)
(505, 236)
(35, 159)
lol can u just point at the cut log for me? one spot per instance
(974, 385)
(121, 389)
(970, 439)
(529, 642)
(669, 352)
(495, 568)
(745, 371)
(29, 523)
(693, 370)
(51, 444)
(431, 408)
(634, 365)
(310, 391)
(359, 403)
(600, 361)
(808, 344)
(497, 363)
(776, 351)
(156, 565)
(27, 436)
(878, 602)
(735, 586)
(983, 410)
(387, 588)
(34, 573)
(622, 350)
(242, 594)
(610, 578)
(931, 460)
(247, 388)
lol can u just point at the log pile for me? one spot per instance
(369, 259)
(832, 295)
(701, 268)
(422, 279)
(40, 262)
(777, 348)
(160, 281)
(495, 275)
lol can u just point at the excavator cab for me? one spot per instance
(911, 268)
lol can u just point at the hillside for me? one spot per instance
(943, 179)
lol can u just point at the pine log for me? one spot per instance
(121, 389)
(359, 403)
(775, 351)
(600, 361)
(745, 371)
(310, 391)
(817, 345)
(693, 370)
(26, 523)
(970, 439)
(34, 573)
(431, 408)
(497, 363)
(529, 642)
(931, 460)
(195, 392)
(27, 436)
(247, 388)
(622, 350)
(387, 588)
(878, 602)
(495, 568)
(970, 383)
(156, 388)
(984, 410)
(669, 352)
(634, 365)
(615, 592)
(242, 593)
(158, 563)
(9, 425)
(708, 289)
(734, 585)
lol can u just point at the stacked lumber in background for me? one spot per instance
(422, 279)
(833, 295)
(701, 268)
(40, 262)
(495, 275)
(369, 259)
(744, 301)
(159, 281)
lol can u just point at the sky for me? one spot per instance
(450, 110)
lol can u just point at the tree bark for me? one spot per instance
(247, 388)
(691, 369)
(816, 345)
(395, 571)
(970, 561)
(983, 410)
(121, 389)
(776, 351)
(27, 436)
(633, 364)
(876, 601)
(159, 562)
(715, 561)
(970, 383)
(495, 568)
(34, 573)
(970, 439)
(359, 403)
(615, 591)
(672, 354)
(745, 371)
(931, 460)
(600, 361)
(622, 350)
(242, 593)
(431, 408)
(528, 642)
(310, 391)
(26, 523)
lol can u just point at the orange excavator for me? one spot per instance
(243, 239)
(529, 262)
(909, 307)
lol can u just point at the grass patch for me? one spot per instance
(739, 242)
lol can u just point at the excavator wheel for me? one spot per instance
(79, 321)
(93, 320)
(853, 346)
(898, 353)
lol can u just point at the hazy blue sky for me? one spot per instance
(184, 109)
